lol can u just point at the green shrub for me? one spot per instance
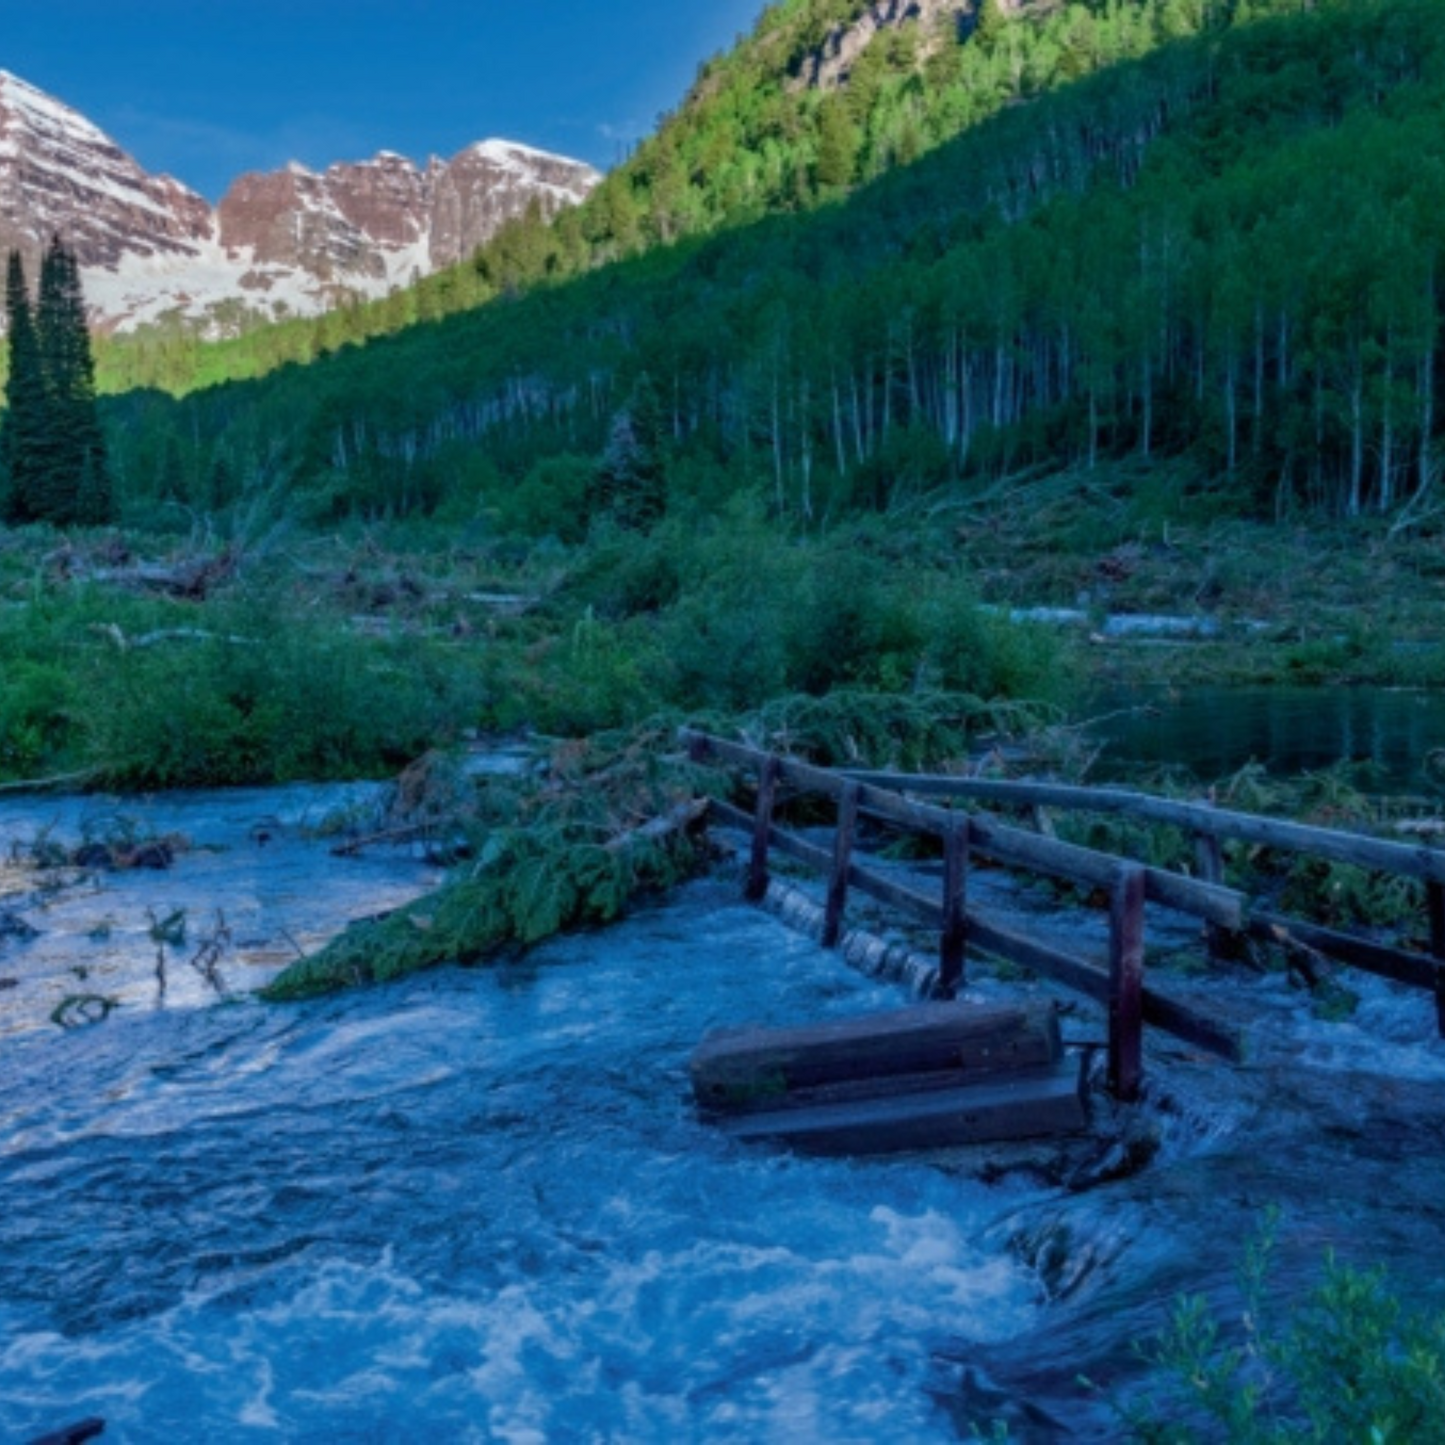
(550, 501)
(1350, 1363)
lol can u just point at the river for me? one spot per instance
(479, 1206)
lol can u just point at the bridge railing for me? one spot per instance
(1130, 1001)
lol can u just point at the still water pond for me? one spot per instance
(1214, 731)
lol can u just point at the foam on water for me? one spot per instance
(477, 1205)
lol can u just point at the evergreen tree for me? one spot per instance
(25, 432)
(75, 486)
(631, 481)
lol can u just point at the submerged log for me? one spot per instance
(1027, 1106)
(926, 1048)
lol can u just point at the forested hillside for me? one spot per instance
(1228, 248)
(824, 95)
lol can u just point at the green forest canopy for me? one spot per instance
(1215, 229)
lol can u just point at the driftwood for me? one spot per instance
(166, 634)
(408, 833)
(58, 780)
(684, 818)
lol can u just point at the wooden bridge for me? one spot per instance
(893, 800)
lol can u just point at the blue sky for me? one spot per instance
(207, 89)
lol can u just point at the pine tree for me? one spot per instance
(75, 484)
(25, 432)
(631, 481)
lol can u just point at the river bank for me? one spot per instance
(145, 661)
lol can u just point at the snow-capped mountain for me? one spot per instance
(284, 243)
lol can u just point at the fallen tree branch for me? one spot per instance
(192, 580)
(530, 884)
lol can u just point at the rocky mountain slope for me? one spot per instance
(290, 242)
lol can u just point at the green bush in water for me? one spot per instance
(528, 885)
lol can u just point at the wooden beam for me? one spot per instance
(762, 822)
(954, 934)
(842, 858)
(1417, 970)
(1160, 1011)
(744, 1069)
(1020, 849)
(1028, 1106)
(1335, 844)
(1126, 985)
(1209, 858)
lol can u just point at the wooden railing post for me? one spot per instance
(1126, 983)
(757, 885)
(1209, 858)
(954, 942)
(1435, 902)
(842, 861)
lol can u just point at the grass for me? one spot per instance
(324, 658)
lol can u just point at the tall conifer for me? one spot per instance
(76, 483)
(25, 430)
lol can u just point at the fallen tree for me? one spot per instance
(607, 820)
(529, 885)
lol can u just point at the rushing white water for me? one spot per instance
(479, 1205)
(474, 1206)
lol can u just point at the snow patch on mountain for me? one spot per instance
(293, 242)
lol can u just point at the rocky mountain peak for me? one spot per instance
(59, 172)
(286, 242)
(830, 65)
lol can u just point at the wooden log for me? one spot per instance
(1126, 985)
(842, 858)
(954, 934)
(1028, 1106)
(739, 1070)
(762, 823)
